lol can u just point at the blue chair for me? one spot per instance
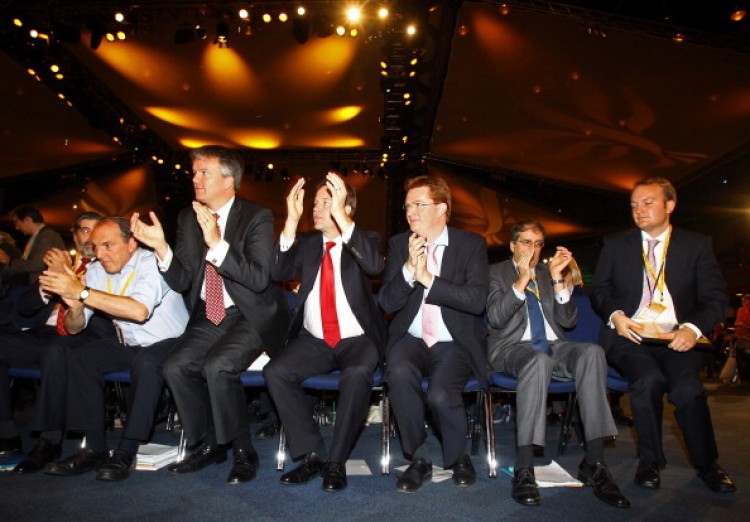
(508, 383)
(483, 413)
(616, 382)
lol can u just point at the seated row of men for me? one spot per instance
(436, 287)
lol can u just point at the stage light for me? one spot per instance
(383, 13)
(119, 17)
(54, 68)
(244, 14)
(353, 32)
(341, 30)
(222, 35)
(17, 22)
(110, 37)
(267, 18)
(34, 33)
(301, 11)
(283, 17)
(738, 15)
(411, 30)
(353, 14)
(121, 35)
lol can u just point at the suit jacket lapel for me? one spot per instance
(448, 265)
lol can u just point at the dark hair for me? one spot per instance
(439, 189)
(231, 163)
(522, 226)
(25, 211)
(122, 223)
(83, 216)
(670, 194)
(351, 194)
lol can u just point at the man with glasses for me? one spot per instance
(528, 307)
(435, 286)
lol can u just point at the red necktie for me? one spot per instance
(215, 310)
(331, 332)
(62, 307)
(430, 313)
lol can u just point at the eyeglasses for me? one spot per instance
(417, 206)
(528, 242)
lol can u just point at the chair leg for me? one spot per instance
(565, 429)
(489, 434)
(281, 454)
(476, 426)
(181, 446)
(385, 415)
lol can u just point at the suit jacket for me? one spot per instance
(460, 290)
(508, 315)
(692, 274)
(245, 271)
(34, 265)
(360, 260)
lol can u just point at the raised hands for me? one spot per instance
(207, 224)
(338, 201)
(150, 235)
(559, 262)
(294, 209)
(57, 260)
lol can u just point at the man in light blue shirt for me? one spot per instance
(124, 283)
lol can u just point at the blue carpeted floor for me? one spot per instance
(204, 496)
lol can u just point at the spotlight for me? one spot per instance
(222, 35)
(738, 15)
(119, 17)
(244, 14)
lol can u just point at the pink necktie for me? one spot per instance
(430, 313)
(648, 284)
(331, 331)
(215, 310)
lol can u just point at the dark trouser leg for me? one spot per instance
(357, 357)
(17, 350)
(450, 368)
(146, 383)
(301, 358)
(407, 364)
(647, 387)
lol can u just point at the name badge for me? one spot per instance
(650, 313)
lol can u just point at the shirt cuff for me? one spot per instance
(216, 255)
(410, 279)
(346, 235)
(610, 323)
(520, 295)
(694, 328)
(563, 296)
(164, 264)
(284, 243)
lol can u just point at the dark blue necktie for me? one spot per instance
(536, 320)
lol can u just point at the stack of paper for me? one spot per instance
(155, 456)
(550, 476)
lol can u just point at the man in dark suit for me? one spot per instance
(29, 221)
(47, 344)
(529, 306)
(661, 275)
(435, 285)
(222, 260)
(337, 326)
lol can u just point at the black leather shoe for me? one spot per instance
(598, 477)
(718, 480)
(40, 455)
(310, 468)
(244, 468)
(647, 475)
(525, 490)
(10, 445)
(411, 479)
(82, 461)
(334, 476)
(463, 472)
(267, 431)
(117, 467)
(199, 459)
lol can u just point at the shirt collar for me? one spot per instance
(442, 239)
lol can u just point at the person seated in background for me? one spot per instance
(528, 307)
(47, 344)
(27, 268)
(742, 324)
(435, 285)
(124, 283)
(337, 326)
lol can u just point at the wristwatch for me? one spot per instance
(84, 294)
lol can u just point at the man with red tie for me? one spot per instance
(47, 345)
(222, 262)
(337, 326)
(435, 285)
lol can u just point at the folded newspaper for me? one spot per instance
(155, 456)
(550, 476)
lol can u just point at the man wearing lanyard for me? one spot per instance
(47, 344)
(528, 307)
(659, 290)
(222, 262)
(125, 284)
(435, 285)
(337, 327)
